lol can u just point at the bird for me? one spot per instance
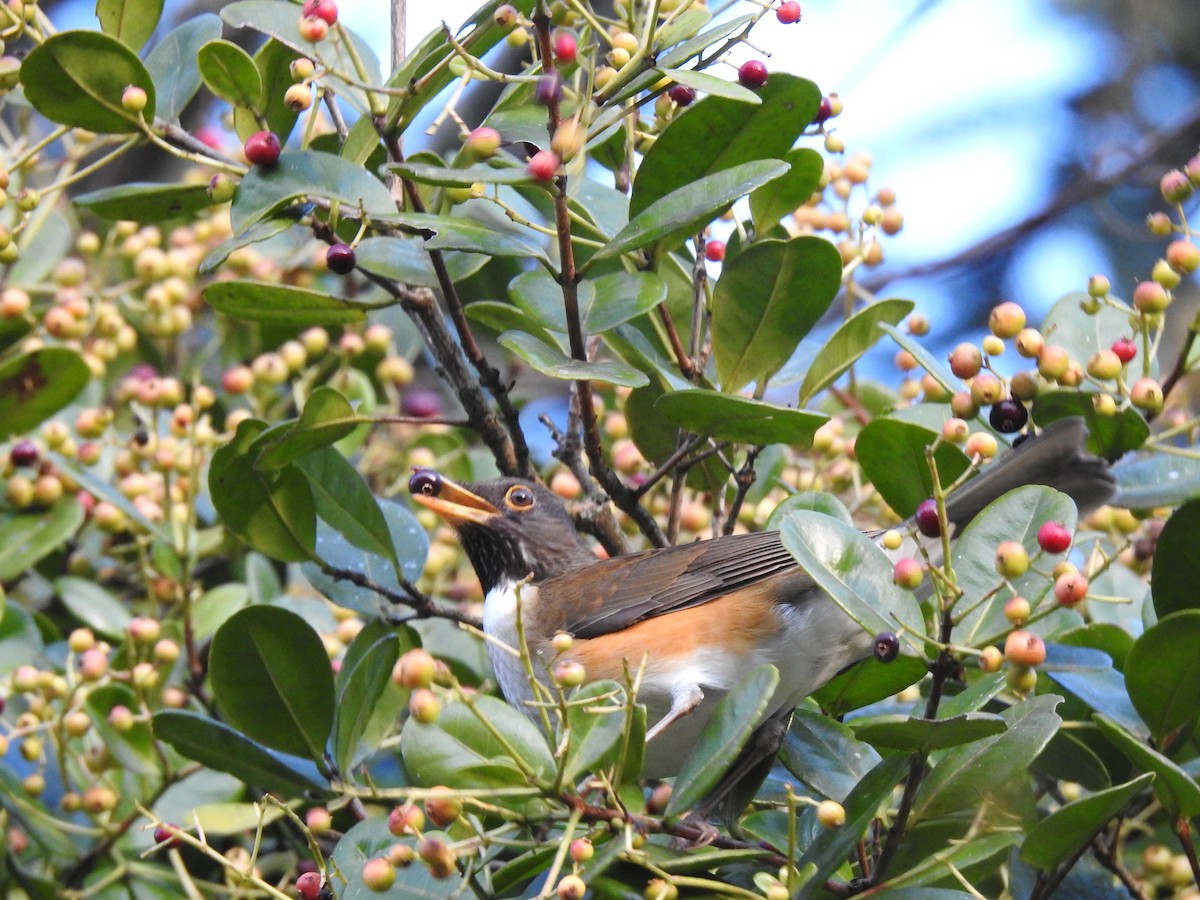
(698, 617)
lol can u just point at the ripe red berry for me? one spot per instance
(322, 9)
(24, 453)
(340, 258)
(824, 111)
(1008, 416)
(1125, 349)
(1053, 537)
(543, 165)
(308, 886)
(167, 837)
(887, 647)
(262, 149)
(565, 48)
(752, 74)
(714, 251)
(682, 94)
(788, 12)
(928, 522)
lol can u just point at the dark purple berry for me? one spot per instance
(167, 837)
(548, 89)
(928, 522)
(421, 404)
(752, 74)
(24, 453)
(887, 647)
(682, 94)
(340, 258)
(1008, 416)
(824, 111)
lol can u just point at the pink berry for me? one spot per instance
(565, 48)
(1070, 588)
(1053, 537)
(1125, 349)
(788, 12)
(752, 74)
(714, 251)
(308, 886)
(543, 165)
(262, 149)
(340, 258)
(322, 9)
(682, 94)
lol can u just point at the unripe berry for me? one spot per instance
(572, 887)
(424, 706)
(569, 674)
(1150, 297)
(1029, 343)
(1021, 679)
(262, 149)
(378, 874)
(406, 819)
(1053, 361)
(1070, 588)
(752, 74)
(1175, 186)
(93, 664)
(562, 642)
(991, 659)
(298, 97)
(908, 574)
(917, 324)
(1104, 364)
(581, 850)
(1006, 320)
(313, 29)
(1017, 610)
(966, 360)
(1146, 394)
(992, 345)
(81, 640)
(1104, 404)
(981, 444)
(134, 99)
(415, 669)
(325, 10)
(1012, 559)
(543, 166)
(1024, 386)
(482, 143)
(1024, 648)
(831, 814)
(1183, 256)
(986, 389)
(505, 16)
(1159, 224)
(301, 68)
(568, 139)
(442, 808)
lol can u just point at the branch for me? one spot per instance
(599, 522)
(422, 604)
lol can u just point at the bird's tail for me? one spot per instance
(1056, 457)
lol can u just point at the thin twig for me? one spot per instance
(422, 604)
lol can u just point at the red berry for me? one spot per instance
(1053, 537)
(167, 837)
(262, 149)
(565, 48)
(714, 251)
(928, 522)
(1008, 416)
(1125, 349)
(752, 74)
(24, 453)
(322, 9)
(308, 886)
(340, 258)
(788, 12)
(824, 111)
(887, 647)
(682, 94)
(543, 165)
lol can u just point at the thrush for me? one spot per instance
(698, 617)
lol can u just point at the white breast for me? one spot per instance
(500, 622)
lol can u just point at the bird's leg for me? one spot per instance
(684, 700)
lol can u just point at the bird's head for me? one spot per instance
(510, 528)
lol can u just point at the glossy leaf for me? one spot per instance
(27, 538)
(93, 606)
(552, 362)
(713, 86)
(144, 201)
(967, 776)
(1059, 836)
(1159, 479)
(132, 747)
(216, 257)
(818, 501)
(216, 745)
(961, 855)
(130, 21)
(854, 337)
(471, 236)
(604, 302)
(1083, 333)
(1108, 436)
(1068, 758)
(766, 300)
(718, 134)
(912, 734)
(215, 606)
(975, 696)
(771, 204)
(1090, 676)
(359, 689)
(1162, 671)
(1176, 564)
(1174, 787)
(36, 385)
(892, 454)
(230, 73)
(726, 417)
(273, 60)
(869, 681)
(856, 574)
(825, 755)
(595, 724)
(501, 317)
(231, 818)
(273, 512)
(20, 640)
(501, 172)
(77, 78)
(172, 63)
(722, 739)
(297, 175)
(280, 304)
(322, 423)
(272, 680)
(405, 260)
(685, 210)
(345, 502)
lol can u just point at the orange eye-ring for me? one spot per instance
(519, 497)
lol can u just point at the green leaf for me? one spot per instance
(892, 454)
(1089, 675)
(1108, 436)
(722, 739)
(272, 512)
(552, 362)
(471, 236)
(220, 747)
(856, 574)
(134, 747)
(716, 87)
(976, 695)
(28, 537)
(595, 724)
(771, 204)
(1158, 479)
(130, 21)
(604, 302)
(1059, 836)
(300, 174)
(1175, 789)
(911, 734)
(1176, 564)
(960, 855)
(718, 134)
(817, 501)
(501, 317)
(1083, 333)
(272, 680)
(281, 304)
(231, 818)
(966, 776)
(215, 606)
(503, 171)
(686, 210)
(359, 689)
(869, 681)
(854, 337)
(1067, 758)
(77, 78)
(458, 750)
(216, 257)
(726, 417)
(93, 606)
(34, 386)
(273, 61)
(144, 201)
(406, 260)
(766, 300)
(322, 423)
(825, 755)
(1016, 516)
(1162, 671)
(345, 502)
(172, 63)
(230, 73)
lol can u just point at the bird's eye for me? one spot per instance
(425, 481)
(519, 497)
